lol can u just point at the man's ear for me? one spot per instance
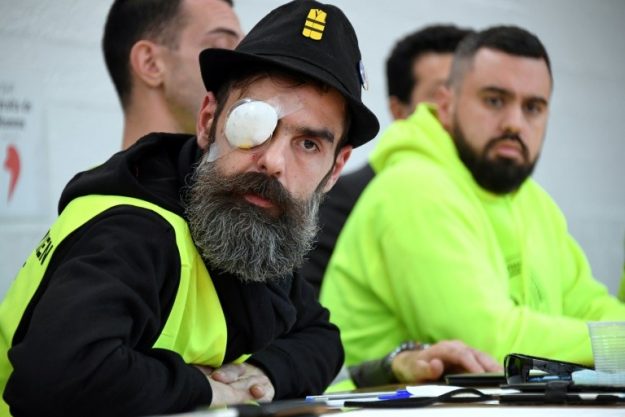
(398, 109)
(147, 63)
(205, 119)
(444, 105)
(339, 164)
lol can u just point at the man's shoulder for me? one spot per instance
(340, 202)
(406, 193)
(353, 182)
(173, 139)
(416, 176)
(342, 198)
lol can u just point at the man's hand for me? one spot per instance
(234, 383)
(447, 356)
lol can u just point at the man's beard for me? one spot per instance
(238, 237)
(499, 176)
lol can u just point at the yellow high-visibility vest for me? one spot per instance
(196, 326)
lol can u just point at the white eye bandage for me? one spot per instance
(250, 123)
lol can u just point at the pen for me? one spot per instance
(348, 396)
(400, 393)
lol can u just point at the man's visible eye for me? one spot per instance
(222, 40)
(534, 107)
(495, 102)
(310, 145)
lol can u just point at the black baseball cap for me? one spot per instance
(307, 37)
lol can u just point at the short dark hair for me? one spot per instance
(511, 40)
(129, 21)
(440, 39)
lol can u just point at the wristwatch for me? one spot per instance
(387, 362)
(378, 372)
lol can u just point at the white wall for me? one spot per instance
(50, 53)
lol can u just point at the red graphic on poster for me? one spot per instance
(12, 164)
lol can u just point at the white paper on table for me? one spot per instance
(437, 390)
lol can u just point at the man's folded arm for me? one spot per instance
(84, 346)
(306, 360)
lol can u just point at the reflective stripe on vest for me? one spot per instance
(196, 307)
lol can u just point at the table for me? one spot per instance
(482, 410)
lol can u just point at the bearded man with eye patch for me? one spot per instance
(453, 239)
(168, 282)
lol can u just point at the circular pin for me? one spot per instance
(364, 82)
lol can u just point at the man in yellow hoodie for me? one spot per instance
(452, 239)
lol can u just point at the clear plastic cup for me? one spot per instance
(608, 345)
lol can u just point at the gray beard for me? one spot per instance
(238, 237)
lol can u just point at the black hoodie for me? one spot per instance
(84, 344)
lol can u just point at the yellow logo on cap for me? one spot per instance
(315, 24)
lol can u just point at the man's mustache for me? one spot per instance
(262, 185)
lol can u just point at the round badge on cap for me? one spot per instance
(363, 76)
